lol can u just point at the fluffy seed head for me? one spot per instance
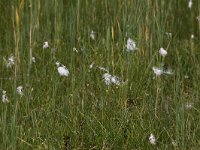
(162, 52)
(20, 90)
(152, 139)
(131, 45)
(62, 70)
(157, 71)
(45, 45)
(4, 97)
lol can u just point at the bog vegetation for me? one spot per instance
(99, 74)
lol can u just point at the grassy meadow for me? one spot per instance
(81, 111)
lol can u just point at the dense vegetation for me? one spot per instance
(89, 37)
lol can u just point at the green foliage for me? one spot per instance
(81, 111)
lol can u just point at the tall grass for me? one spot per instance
(81, 111)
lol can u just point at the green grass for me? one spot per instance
(81, 111)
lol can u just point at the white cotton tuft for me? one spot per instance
(4, 97)
(45, 45)
(162, 52)
(62, 70)
(152, 139)
(20, 90)
(157, 71)
(131, 45)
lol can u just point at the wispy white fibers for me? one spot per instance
(109, 79)
(192, 36)
(168, 34)
(131, 45)
(157, 71)
(33, 59)
(62, 70)
(20, 90)
(116, 80)
(162, 52)
(75, 50)
(10, 61)
(152, 139)
(4, 97)
(91, 65)
(45, 45)
(190, 4)
(103, 68)
(168, 72)
(189, 105)
(93, 35)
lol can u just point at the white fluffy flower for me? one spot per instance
(168, 72)
(192, 36)
(115, 80)
(186, 76)
(103, 69)
(62, 70)
(93, 35)
(45, 45)
(75, 50)
(152, 139)
(91, 65)
(4, 97)
(131, 45)
(162, 52)
(33, 59)
(190, 4)
(157, 71)
(11, 61)
(189, 105)
(107, 78)
(168, 34)
(20, 90)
